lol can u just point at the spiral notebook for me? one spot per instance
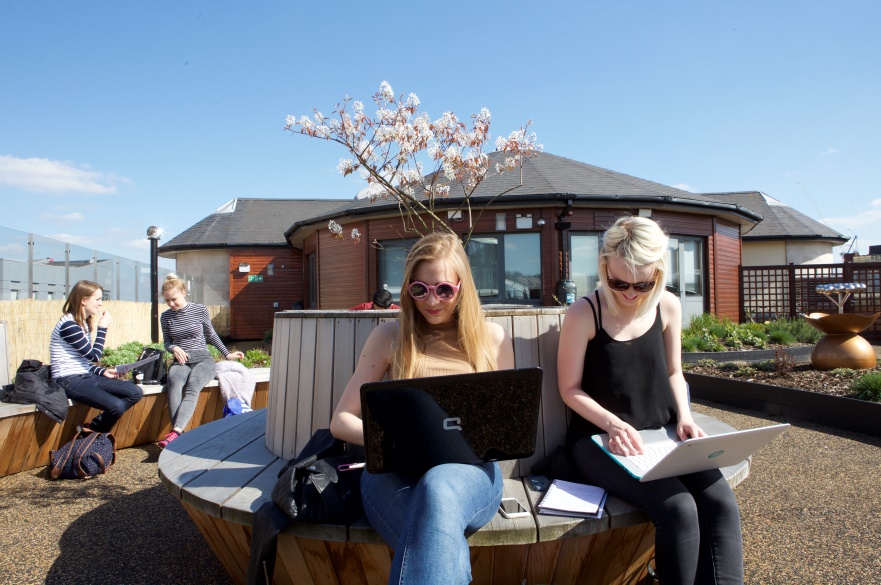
(565, 498)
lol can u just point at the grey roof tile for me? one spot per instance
(780, 220)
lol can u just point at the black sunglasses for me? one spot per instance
(622, 285)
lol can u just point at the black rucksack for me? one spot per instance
(154, 372)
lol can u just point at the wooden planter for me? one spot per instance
(844, 413)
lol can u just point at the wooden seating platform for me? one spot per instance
(27, 436)
(223, 472)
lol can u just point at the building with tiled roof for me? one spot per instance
(785, 235)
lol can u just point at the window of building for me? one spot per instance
(584, 249)
(390, 259)
(312, 280)
(506, 267)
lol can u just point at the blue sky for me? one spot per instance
(119, 115)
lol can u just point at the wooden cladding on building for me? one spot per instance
(342, 268)
(725, 285)
(256, 295)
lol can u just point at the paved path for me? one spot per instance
(811, 511)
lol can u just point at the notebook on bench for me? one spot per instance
(664, 455)
(412, 425)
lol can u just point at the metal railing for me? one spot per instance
(36, 267)
(771, 292)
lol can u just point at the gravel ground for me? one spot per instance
(810, 510)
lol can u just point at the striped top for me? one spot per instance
(71, 349)
(189, 329)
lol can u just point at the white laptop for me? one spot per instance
(664, 455)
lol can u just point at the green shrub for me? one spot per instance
(707, 363)
(256, 358)
(732, 366)
(782, 337)
(800, 329)
(215, 353)
(868, 387)
(267, 337)
(124, 354)
(766, 366)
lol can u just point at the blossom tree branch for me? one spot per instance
(392, 150)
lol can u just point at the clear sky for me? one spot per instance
(115, 116)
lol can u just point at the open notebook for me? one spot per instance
(664, 455)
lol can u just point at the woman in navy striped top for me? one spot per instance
(74, 358)
(186, 332)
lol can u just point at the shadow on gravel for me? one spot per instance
(142, 537)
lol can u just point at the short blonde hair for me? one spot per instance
(474, 340)
(174, 282)
(638, 241)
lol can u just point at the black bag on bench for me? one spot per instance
(312, 488)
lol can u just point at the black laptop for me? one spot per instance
(412, 425)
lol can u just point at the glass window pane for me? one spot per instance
(673, 268)
(693, 270)
(583, 265)
(483, 255)
(82, 264)
(13, 264)
(522, 267)
(391, 259)
(48, 268)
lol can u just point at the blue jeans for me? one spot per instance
(426, 519)
(112, 396)
(697, 522)
(185, 382)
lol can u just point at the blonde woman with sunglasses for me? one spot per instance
(619, 370)
(440, 331)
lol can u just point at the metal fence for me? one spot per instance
(769, 292)
(35, 267)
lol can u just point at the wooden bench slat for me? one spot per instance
(198, 451)
(214, 487)
(240, 507)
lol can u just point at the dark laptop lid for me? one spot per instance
(413, 425)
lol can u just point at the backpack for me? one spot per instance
(86, 455)
(154, 372)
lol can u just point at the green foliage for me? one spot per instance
(215, 353)
(256, 358)
(707, 363)
(868, 387)
(267, 337)
(124, 354)
(707, 332)
(782, 337)
(766, 366)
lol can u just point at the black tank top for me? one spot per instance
(627, 378)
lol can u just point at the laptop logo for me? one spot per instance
(453, 424)
(715, 454)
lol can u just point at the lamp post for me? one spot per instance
(153, 234)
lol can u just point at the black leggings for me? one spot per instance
(698, 538)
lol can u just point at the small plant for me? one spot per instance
(841, 372)
(732, 366)
(256, 358)
(267, 337)
(766, 366)
(783, 361)
(868, 387)
(781, 337)
(744, 371)
(707, 363)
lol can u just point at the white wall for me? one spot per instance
(213, 267)
(763, 253)
(809, 253)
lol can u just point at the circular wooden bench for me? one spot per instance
(222, 472)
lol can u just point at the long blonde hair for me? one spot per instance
(638, 241)
(474, 339)
(74, 303)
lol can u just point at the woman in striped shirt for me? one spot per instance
(186, 332)
(74, 358)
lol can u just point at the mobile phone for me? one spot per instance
(512, 508)
(538, 483)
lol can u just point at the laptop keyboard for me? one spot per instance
(651, 454)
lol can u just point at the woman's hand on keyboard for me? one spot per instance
(624, 440)
(687, 429)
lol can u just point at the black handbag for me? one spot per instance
(154, 372)
(310, 488)
(34, 385)
(322, 484)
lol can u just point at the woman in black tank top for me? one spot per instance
(619, 370)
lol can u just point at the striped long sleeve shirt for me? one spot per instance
(189, 328)
(72, 351)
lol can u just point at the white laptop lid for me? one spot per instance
(693, 455)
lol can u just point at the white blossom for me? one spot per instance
(335, 229)
(386, 92)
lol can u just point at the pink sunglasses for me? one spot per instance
(444, 291)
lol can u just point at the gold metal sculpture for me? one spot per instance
(842, 346)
